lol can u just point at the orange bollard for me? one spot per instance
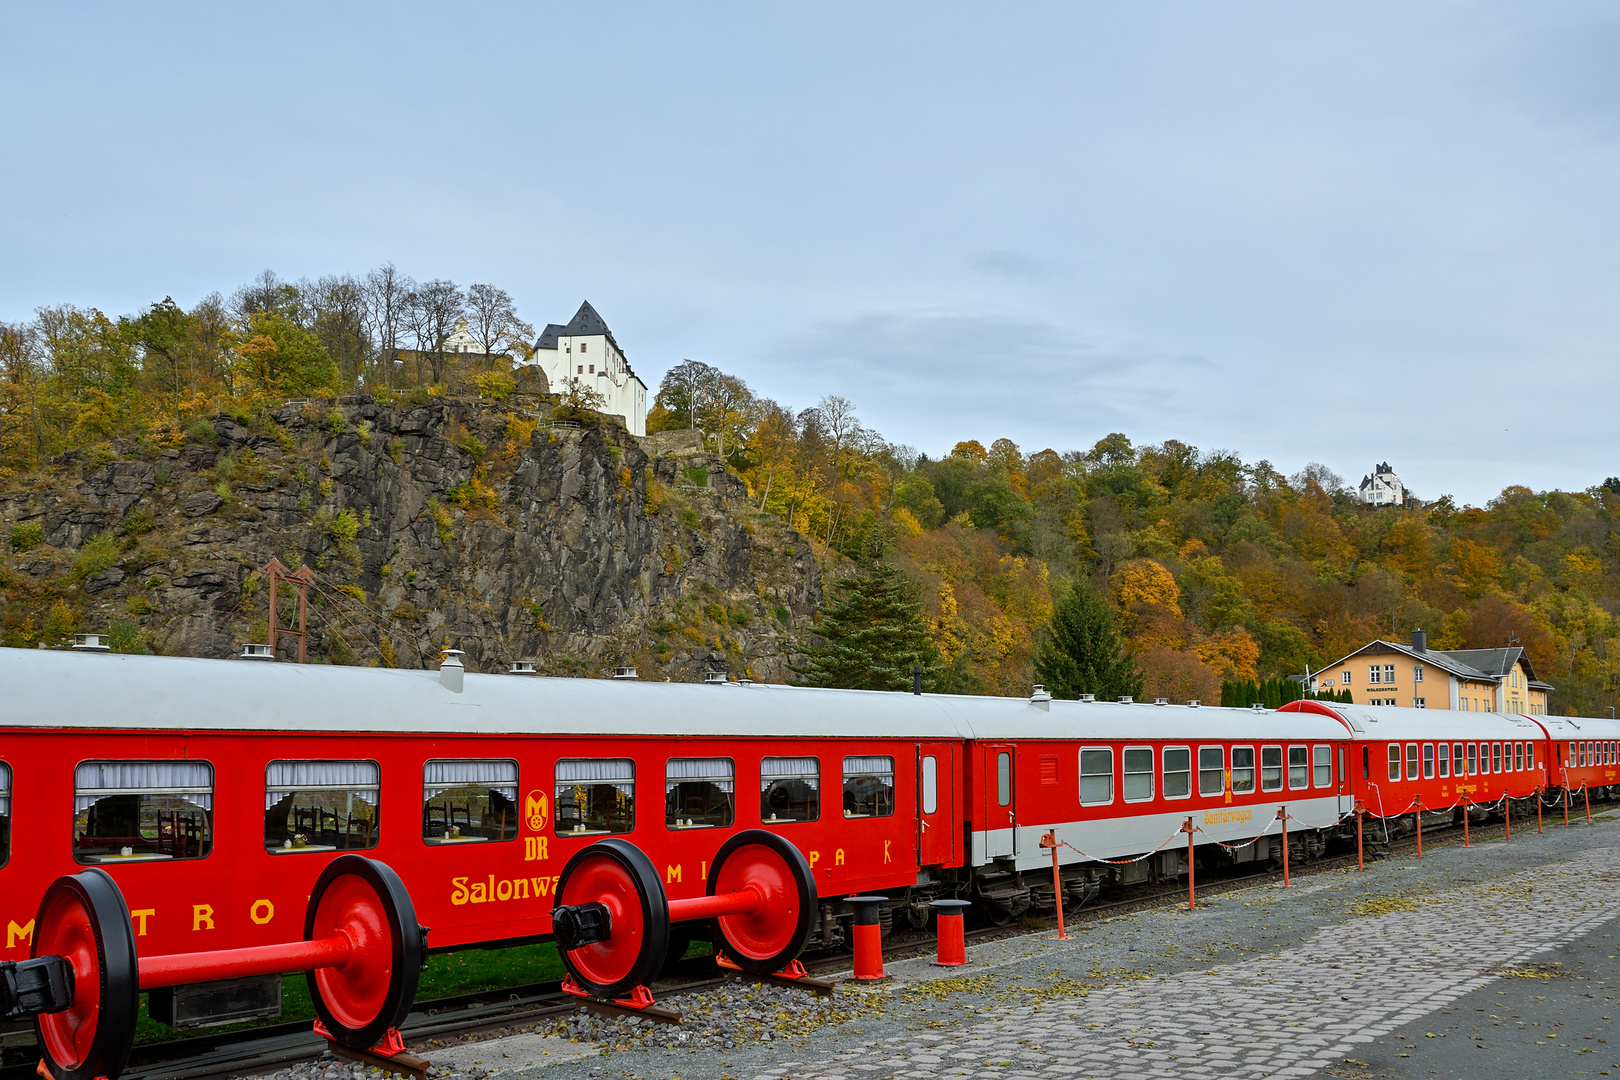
(1282, 815)
(951, 950)
(1360, 815)
(1538, 811)
(1417, 816)
(1191, 897)
(1565, 795)
(1465, 820)
(1586, 793)
(1050, 841)
(868, 938)
(1507, 818)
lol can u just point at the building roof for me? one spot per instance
(548, 336)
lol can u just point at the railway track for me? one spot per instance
(450, 1019)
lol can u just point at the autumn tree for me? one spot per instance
(493, 319)
(431, 311)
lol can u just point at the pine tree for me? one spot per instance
(875, 634)
(1082, 654)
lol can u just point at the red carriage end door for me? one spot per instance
(937, 831)
(1000, 810)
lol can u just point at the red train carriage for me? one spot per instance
(1583, 756)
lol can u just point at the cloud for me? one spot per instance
(1011, 265)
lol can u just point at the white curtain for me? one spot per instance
(620, 772)
(718, 771)
(789, 768)
(192, 781)
(282, 778)
(499, 776)
(869, 766)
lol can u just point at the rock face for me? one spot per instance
(459, 524)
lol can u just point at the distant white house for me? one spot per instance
(1382, 488)
(461, 340)
(584, 352)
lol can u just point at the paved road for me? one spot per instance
(1340, 976)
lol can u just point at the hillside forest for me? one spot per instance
(1214, 569)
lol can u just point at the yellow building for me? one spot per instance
(1414, 676)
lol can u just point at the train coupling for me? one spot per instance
(32, 987)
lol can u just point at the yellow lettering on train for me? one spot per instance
(672, 873)
(262, 912)
(141, 916)
(838, 857)
(458, 894)
(202, 917)
(480, 894)
(704, 873)
(534, 849)
(13, 932)
(886, 856)
(815, 856)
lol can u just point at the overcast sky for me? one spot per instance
(1337, 233)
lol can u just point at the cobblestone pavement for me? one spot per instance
(1339, 976)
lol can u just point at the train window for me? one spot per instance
(1211, 770)
(1322, 760)
(1394, 761)
(1485, 757)
(930, 784)
(1496, 757)
(1242, 770)
(1096, 777)
(1473, 766)
(469, 801)
(699, 792)
(1411, 761)
(1445, 761)
(1518, 757)
(868, 786)
(320, 805)
(789, 789)
(1571, 758)
(1137, 774)
(142, 811)
(1299, 767)
(1366, 763)
(1004, 779)
(1456, 759)
(1428, 761)
(5, 813)
(1271, 768)
(1177, 772)
(1529, 755)
(596, 796)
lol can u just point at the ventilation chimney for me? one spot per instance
(1420, 641)
(1125, 699)
(90, 643)
(451, 670)
(714, 678)
(1088, 697)
(916, 679)
(1041, 699)
(1193, 704)
(624, 671)
(522, 667)
(1258, 706)
(255, 651)
(1161, 701)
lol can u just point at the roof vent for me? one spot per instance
(714, 678)
(90, 643)
(624, 671)
(1125, 699)
(1040, 698)
(1258, 706)
(1192, 703)
(522, 667)
(745, 682)
(1161, 701)
(451, 670)
(1088, 697)
(255, 651)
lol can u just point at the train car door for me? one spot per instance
(1000, 810)
(937, 832)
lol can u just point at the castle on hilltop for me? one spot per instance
(1382, 488)
(584, 352)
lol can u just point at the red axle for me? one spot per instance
(177, 969)
(746, 901)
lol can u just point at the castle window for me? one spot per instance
(582, 369)
(582, 345)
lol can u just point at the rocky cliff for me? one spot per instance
(456, 523)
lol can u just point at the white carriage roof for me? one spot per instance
(61, 689)
(1388, 723)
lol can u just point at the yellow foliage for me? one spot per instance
(972, 449)
(1144, 583)
(907, 521)
(1233, 653)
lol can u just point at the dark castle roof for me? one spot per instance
(585, 323)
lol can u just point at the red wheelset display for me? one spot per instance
(363, 951)
(613, 918)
